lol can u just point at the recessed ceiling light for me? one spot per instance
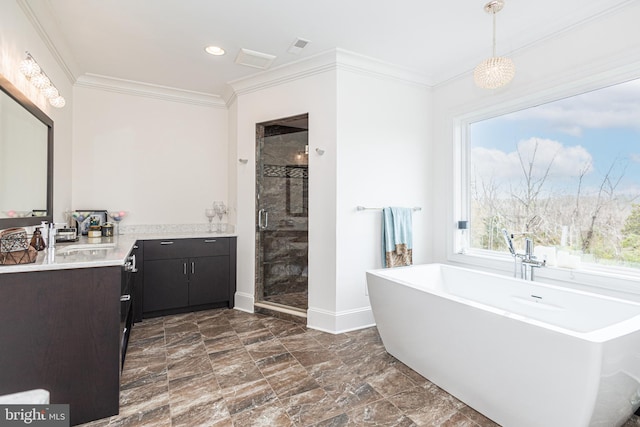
(214, 50)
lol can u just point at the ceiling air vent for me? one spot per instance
(254, 59)
(297, 46)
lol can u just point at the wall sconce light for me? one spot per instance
(38, 78)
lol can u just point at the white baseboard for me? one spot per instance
(337, 323)
(243, 302)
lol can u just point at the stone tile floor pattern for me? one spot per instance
(230, 368)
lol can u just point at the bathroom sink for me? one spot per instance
(85, 247)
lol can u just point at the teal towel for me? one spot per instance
(397, 236)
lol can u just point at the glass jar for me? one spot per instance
(94, 231)
(107, 230)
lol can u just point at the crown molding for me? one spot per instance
(229, 95)
(37, 25)
(331, 60)
(365, 65)
(148, 90)
(292, 71)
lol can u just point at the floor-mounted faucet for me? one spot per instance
(528, 261)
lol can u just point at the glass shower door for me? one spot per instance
(282, 193)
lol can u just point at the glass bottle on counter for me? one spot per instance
(37, 241)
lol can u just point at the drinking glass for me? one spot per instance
(117, 216)
(220, 210)
(210, 213)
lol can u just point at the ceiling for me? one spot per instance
(162, 42)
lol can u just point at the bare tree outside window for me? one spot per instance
(565, 173)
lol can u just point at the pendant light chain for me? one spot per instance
(493, 12)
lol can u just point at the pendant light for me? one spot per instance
(496, 71)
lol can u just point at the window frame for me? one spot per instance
(617, 281)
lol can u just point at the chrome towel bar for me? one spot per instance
(362, 208)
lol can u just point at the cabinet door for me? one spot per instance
(166, 284)
(209, 280)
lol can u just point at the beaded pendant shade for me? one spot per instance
(496, 71)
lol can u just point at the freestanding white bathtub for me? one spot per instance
(522, 353)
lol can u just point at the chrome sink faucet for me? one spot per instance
(528, 261)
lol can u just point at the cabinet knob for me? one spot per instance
(210, 241)
(166, 243)
(125, 297)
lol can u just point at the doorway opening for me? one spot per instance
(282, 205)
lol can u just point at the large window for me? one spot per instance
(565, 173)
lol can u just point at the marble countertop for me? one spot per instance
(99, 251)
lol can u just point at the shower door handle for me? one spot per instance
(262, 226)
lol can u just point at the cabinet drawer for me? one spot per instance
(185, 248)
(208, 247)
(165, 249)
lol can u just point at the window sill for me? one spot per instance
(614, 282)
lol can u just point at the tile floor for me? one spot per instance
(230, 368)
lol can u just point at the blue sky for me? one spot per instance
(588, 132)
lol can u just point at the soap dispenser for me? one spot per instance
(37, 241)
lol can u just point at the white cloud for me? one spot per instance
(614, 106)
(571, 130)
(566, 161)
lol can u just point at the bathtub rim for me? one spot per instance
(599, 335)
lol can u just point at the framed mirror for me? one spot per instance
(26, 160)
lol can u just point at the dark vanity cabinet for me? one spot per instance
(60, 332)
(188, 274)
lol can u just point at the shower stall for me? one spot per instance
(282, 200)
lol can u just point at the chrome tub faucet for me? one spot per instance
(528, 261)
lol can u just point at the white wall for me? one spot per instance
(232, 162)
(599, 52)
(164, 161)
(256, 103)
(18, 35)
(383, 149)
(373, 128)
(162, 156)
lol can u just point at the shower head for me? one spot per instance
(509, 242)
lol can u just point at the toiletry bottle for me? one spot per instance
(44, 231)
(37, 241)
(52, 236)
